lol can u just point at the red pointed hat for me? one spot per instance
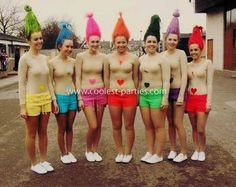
(120, 29)
(196, 37)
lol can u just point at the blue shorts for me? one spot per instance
(66, 102)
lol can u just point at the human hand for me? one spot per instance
(55, 108)
(208, 108)
(23, 112)
(80, 105)
(164, 107)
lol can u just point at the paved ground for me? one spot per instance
(218, 170)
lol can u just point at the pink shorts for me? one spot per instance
(196, 103)
(123, 99)
(92, 97)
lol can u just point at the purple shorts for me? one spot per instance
(174, 94)
(92, 97)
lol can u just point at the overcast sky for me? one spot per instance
(136, 13)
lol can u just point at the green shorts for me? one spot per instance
(151, 98)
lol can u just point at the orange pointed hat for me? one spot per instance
(120, 29)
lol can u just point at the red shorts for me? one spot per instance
(196, 103)
(123, 99)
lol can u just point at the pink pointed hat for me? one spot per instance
(92, 28)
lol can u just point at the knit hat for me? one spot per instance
(196, 37)
(173, 27)
(120, 29)
(153, 28)
(65, 33)
(31, 22)
(92, 27)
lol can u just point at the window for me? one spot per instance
(234, 37)
(233, 16)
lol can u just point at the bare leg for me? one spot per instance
(43, 138)
(171, 128)
(178, 122)
(32, 124)
(149, 128)
(90, 114)
(193, 121)
(99, 115)
(201, 129)
(61, 123)
(129, 116)
(69, 129)
(158, 119)
(116, 118)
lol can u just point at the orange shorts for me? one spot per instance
(196, 103)
(123, 99)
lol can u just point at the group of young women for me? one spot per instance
(162, 84)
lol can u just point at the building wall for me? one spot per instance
(215, 31)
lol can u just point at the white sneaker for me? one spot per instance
(172, 155)
(180, 157)
(65, 159)
(127, 158)
(195, 155)
(46, 165)
(38, 169)
(89, 156)
(201, 156)
(146, 157)
(154, 159)
(72, 157)
(119, 158)
(97, 157)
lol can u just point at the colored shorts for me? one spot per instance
(151, 98)
(66, 102)
(196, 103)
(122, 99)
(92, 97)
(174, 94)
(38, 103)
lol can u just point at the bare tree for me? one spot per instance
(10, 18)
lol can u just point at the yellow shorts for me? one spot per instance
(38, 103)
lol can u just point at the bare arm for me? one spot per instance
(165, 68)
(135, 73)
(140, 77)
(210, 74)
(78, 74)
(183, 69)
(106, 73)
(22, 76)
(50, 81)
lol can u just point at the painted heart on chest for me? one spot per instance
(92, 81)
(146, 84)
(120, 81)
(193, 90)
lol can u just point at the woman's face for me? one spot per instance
(94, 43)
(36, 40)
(151, 44)
(66, 48)
(121, 44)
(195, 51)
(172, 41)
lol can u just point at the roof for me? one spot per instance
(11, 38)
(205, 6)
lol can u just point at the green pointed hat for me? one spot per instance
(153, 28)
(31, 22)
